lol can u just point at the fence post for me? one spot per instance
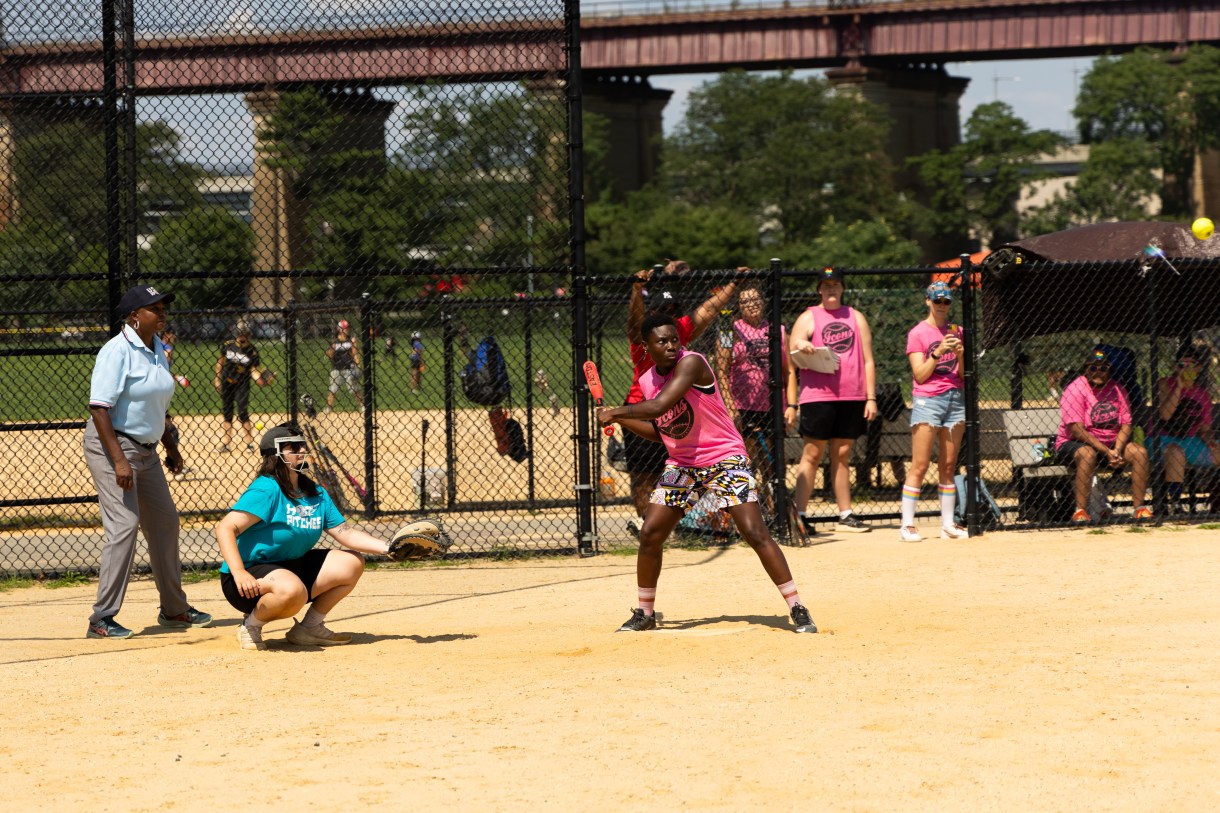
(779, 489)
(971, 381)
(447, 342)
(529, 402)
(369, 352)
(1156, 471)
(292, 380)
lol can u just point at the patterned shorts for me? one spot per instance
(731, 482)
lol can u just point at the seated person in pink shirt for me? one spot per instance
(1184, 432)
(1095, 428)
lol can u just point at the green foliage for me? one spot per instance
(649, 226)
(14, 583)
(206, 239)
(69, 579)
(1117, 182)
(974, 186)
(863, 244)
(784, 149)
(1168, 101)
(33, 247)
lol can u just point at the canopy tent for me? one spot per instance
(1101, 277)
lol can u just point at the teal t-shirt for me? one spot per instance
(287, 529)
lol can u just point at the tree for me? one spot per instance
(1168, 100)
(973, 187)
(863, 244)
(1117, 182)
(207, 240)
(782, 148)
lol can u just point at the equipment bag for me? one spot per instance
(990, 516)
(485, 376)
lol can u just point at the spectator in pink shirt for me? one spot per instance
(1095, 429)
(1184, 432)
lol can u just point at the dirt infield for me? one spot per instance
(1035, 671)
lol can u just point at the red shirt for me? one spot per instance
(641, 362)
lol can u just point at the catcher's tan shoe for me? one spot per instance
(316, 636)
(248, 640)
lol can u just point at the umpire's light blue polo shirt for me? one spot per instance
(134, 383)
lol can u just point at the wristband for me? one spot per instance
(790, 406)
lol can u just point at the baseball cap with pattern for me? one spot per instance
(939, 290)
(830, 275)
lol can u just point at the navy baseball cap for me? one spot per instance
(830, 275)
(141, 296)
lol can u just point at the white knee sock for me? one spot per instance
(948, 501)
(910, 498)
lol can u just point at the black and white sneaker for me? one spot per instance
(802, 619)
(633, 528)
(640, 622)
(852, 524)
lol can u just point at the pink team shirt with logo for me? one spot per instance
(697, 431)
(1101, 412)
(1194, 412)
(924, 338)
(840, 331)
(751, 368)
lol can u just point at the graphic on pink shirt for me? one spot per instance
(1102, 412)
(751, 367)
(697, 430)
(839, 330)
(926, 338)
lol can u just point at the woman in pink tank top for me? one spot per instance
(833, 408)
(684, 410)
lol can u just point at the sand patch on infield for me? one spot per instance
(1038, 671)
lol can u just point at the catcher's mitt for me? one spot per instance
(418, 540)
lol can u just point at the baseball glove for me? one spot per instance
(419, 540)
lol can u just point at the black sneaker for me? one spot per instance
(640, 622)
(800, 617)
(852, 524)
(190, 618)
(108, 628)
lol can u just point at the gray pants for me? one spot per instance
(147, 506)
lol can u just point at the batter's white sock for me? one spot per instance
(254, 627)
(313, 618)
(948, 501)
(648, 599)
(910, 498)
(788, 591)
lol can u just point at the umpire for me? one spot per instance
(129, 394)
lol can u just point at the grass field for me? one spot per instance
(57, 387)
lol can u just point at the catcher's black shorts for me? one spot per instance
(823, 420)
(643, 456)
(306, 569)
(235, 393)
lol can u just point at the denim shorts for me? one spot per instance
(942, 411)
(1196, 451)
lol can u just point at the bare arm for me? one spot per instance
(358, 540)
(705, 313)
(635, 306)
(690, 370)
(1171, 396)
(231, 526)
(870, 369)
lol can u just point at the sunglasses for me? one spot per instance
(942, 301)
(1097, 366)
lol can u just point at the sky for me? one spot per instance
(218, 133)
(1041, 91)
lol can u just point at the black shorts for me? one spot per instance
(750, 422)
(306, 569)
(643, 456)
(1065, 455)
(824, 420)
(235, 392)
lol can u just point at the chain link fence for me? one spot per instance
(348, 203)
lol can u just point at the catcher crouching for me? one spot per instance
(271, 569)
